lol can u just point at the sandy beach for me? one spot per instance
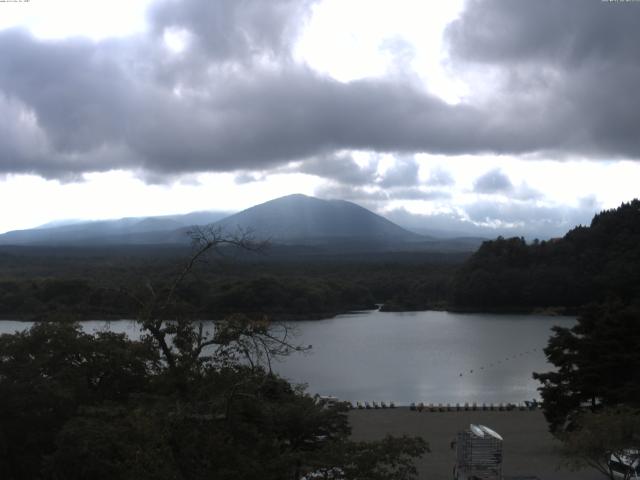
(529, 449)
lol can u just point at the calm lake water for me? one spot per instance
(410, 357)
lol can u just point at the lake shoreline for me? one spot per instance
(543, 311)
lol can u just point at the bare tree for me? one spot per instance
(187, 344)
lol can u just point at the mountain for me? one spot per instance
(295, 223)
(299, 219)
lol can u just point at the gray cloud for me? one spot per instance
(402, 174)
(343, 169)
(493, 181)
(440, 177)
(532, 219)
(490, 219)
(340, 168)
(85, 96)
(246, 177)
(525, 192)
(497, 182)
(493, 31)
(416, 193)
(572, 62)
(80, 95)
(449, 224)
(231, 29)
(375, 198)
(236, 100)
(372, 199)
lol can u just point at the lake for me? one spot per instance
(433, 357)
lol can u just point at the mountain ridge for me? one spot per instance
(292, 220)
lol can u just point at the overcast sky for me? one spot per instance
(483, 116)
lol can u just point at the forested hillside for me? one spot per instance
(589, 264)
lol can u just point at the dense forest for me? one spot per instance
(93, 284)
(589, 264)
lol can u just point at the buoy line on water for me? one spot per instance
(450, 407)
(497, 362)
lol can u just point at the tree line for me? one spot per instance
(283, 290)
(594, 263)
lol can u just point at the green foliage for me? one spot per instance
(388, 458)
(51, 297)
(48, 373)
(594, 263)
(75, 406)
(56, 287)
(597, 363)
(612, 433)
(281, 296)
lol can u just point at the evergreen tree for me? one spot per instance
(597, 364)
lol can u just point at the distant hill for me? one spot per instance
(291, 223)
(124, 231)
(593, 263)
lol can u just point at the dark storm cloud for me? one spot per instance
(547, 31)
(574, 63)
(86, 96)
(70, 103)
(236, 100)
(81, 96)
(493, 181)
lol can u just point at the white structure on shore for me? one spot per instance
(478, 454)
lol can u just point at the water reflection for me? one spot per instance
(432, 357)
